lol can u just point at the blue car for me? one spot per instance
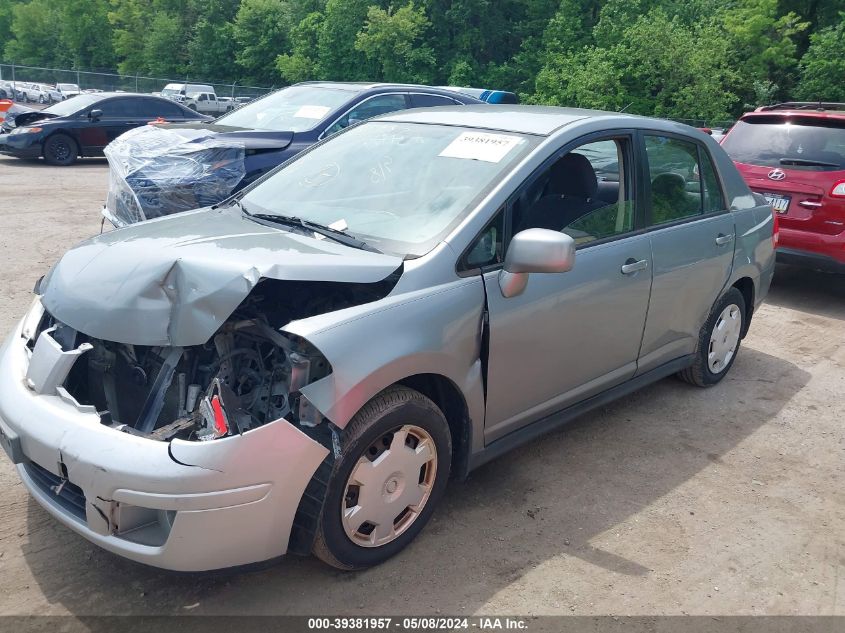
(173, 167)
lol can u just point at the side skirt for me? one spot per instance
(559, 419)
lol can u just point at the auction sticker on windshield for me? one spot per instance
(490, 148)
(312, 112)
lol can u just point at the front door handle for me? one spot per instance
(724, 239)
(632, 265)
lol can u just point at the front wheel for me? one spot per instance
(392, 471)
(60, 150)
(718, 341)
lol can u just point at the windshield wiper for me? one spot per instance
(321, 229)
(807, 162)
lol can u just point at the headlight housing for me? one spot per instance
(26, 130)
(32, 319)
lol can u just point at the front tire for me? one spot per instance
(393, 469)
(60, 150)
(718, 341)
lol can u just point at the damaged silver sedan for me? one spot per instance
(302, 368)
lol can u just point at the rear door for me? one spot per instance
(692, 244)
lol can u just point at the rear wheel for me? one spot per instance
(718, 341)
(60, 149)
(392, 471)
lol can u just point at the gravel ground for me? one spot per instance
(673, 500)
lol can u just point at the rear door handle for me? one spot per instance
(632, 265)
(724, 239)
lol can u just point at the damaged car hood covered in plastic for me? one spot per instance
(174, 282)
(158, 170)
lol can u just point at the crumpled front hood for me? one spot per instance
(175, 281)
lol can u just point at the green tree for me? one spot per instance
(763, 44)
(33, 30)
(394, 40)
(260, 30)
(823, 66)
(164, 44)
(301, 64)
(337, 57)
(211, 49)
(85, 35)
(129, 20)
(658, 66)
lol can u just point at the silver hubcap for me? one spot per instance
(724, 339)
(389, 486)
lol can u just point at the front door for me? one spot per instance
(570, 335)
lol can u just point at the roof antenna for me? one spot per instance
(626, 107)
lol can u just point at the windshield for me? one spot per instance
(166, 92)
(73, 105)
(400, 187)
(293, 109)
(796, 143)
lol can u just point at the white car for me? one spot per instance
(49, 94)
(28, 91)
(68, 90)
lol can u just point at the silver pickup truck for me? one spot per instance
(208, 103)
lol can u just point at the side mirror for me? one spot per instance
(95, 115)
(535, 251)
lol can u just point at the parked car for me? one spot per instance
(794, 154)
(84, 125)
(28, 92)
(68, 90)
(207, 103)
(242, 100)
(305, 366)
(175, 167)
(49, 94)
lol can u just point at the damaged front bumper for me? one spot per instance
(179, 505)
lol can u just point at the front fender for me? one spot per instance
(372, 346)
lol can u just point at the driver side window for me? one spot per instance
(381, 104)
(585, 193)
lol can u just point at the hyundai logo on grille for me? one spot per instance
(777, 174)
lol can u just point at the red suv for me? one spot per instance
(794, 154)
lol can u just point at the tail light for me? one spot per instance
(838, 190)
(775, 229)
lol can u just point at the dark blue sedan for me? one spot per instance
(203, 163)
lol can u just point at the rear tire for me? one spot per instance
(718, 341)
(60, 150)
(399, 444)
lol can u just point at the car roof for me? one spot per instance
(810, 109)
(523, 119)
(361, 86)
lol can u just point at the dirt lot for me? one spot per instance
(674, 500)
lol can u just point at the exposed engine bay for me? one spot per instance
(249, 373)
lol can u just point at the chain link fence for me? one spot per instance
(113, 82)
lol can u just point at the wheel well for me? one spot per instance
(76, 143)
(449, 399)
(746, 287)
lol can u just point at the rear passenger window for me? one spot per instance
(428, 101)
(683, 180)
